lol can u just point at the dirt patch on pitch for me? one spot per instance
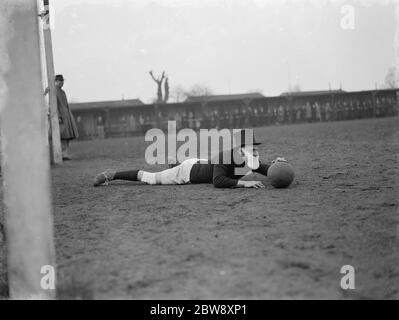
(195, 242)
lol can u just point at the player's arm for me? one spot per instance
(222, 180)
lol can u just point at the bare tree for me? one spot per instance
(159, 82)
(294, 88)
(199, 90)
(166, 88)
(390, 79)
(178, 94)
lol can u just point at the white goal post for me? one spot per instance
(25, 154)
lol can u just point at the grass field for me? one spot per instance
(135, 241)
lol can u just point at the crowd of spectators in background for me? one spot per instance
(307, 112)
(263, 112)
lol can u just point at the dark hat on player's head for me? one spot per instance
(59, 77)
(245, 137)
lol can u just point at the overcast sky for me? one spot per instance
(105, 48)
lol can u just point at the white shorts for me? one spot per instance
(179, 174)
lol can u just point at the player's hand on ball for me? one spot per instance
(254, 184)
(279, 160)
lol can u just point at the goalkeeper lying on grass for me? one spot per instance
(225, 172)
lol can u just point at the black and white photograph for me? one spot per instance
(199, 150)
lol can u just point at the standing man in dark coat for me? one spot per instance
(68, 128)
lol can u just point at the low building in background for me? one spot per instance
(105, 119)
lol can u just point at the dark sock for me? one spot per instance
(127, 175)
